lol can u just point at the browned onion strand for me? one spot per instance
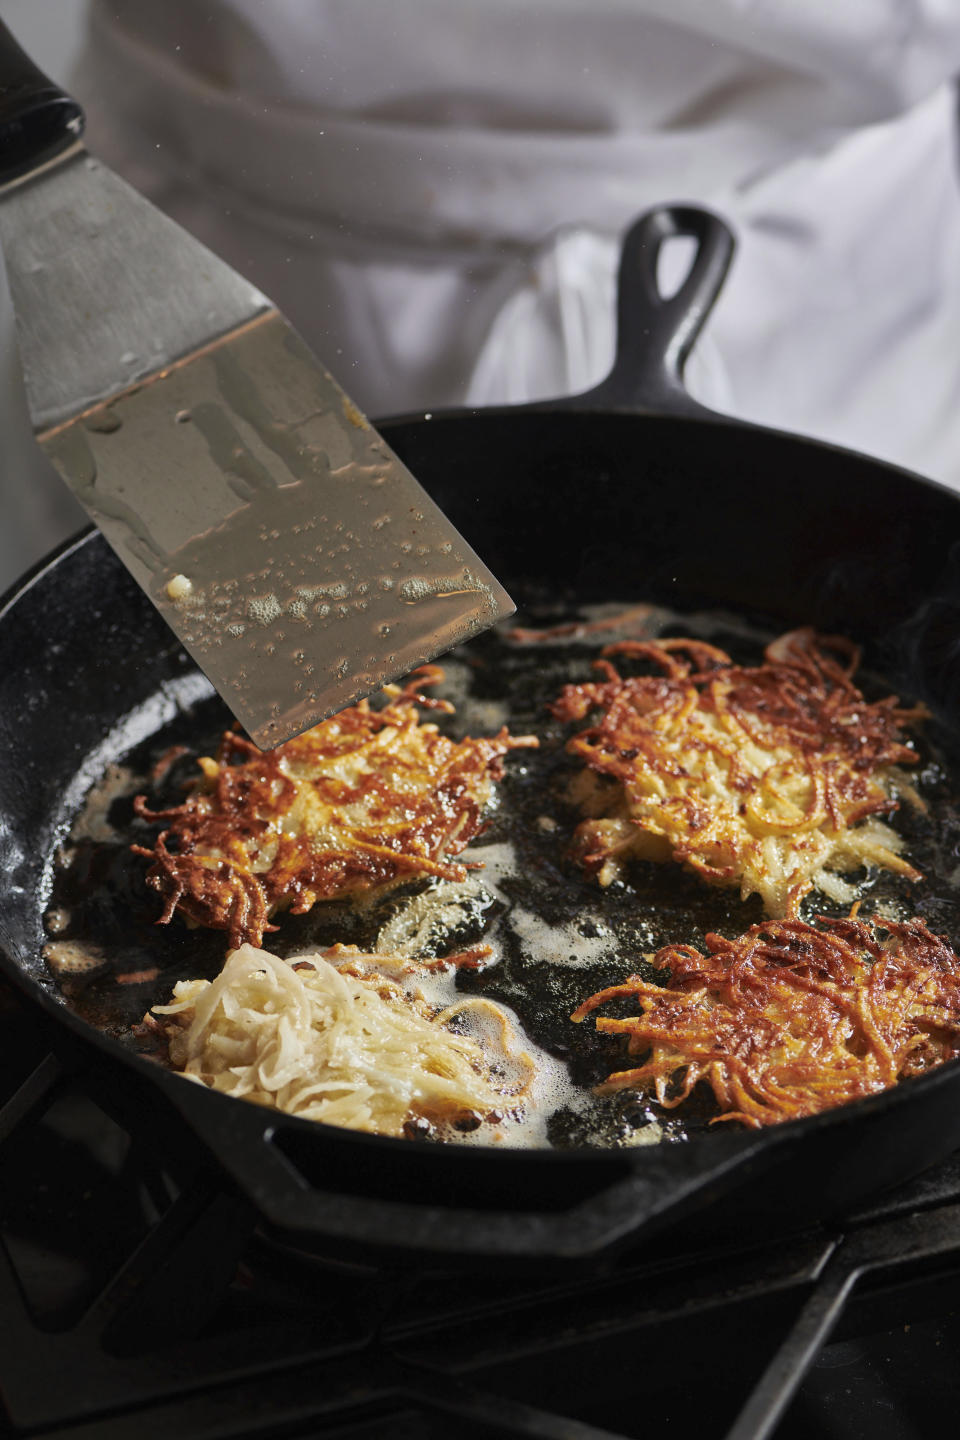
(789, 1019)
(768, 777)
(364, 799)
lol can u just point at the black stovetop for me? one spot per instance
(140, 1297)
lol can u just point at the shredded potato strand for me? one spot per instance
(789, 1019)
(367, 798)
(770, 778)
(342, 1037)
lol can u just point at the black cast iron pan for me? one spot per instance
(631, 492)
(610, 495)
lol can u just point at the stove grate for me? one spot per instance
(141, 1297)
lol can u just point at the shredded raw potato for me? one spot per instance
(770, 778)
(344, 1038)
(789, 1019)
(365, 799)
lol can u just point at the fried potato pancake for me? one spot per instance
(365, 799)
(789, 1019)
(346, 1038)
(769, 778)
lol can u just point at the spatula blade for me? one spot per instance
(297, 559)
(295, 556)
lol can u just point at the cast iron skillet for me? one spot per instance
(630, 492)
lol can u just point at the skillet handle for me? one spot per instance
(655, 334)
(37, 119)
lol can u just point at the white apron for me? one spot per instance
(435, 191)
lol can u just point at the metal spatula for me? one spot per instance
(294, 555)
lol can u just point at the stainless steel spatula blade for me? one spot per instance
(295, 556)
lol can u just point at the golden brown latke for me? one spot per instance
(364, 799)
(790, 1019)
(767, 777)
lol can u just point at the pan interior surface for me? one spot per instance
(556, 936)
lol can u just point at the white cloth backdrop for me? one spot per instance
(435, 191)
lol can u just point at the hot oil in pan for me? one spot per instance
(556, 936)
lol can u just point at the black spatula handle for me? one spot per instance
(37, 119)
